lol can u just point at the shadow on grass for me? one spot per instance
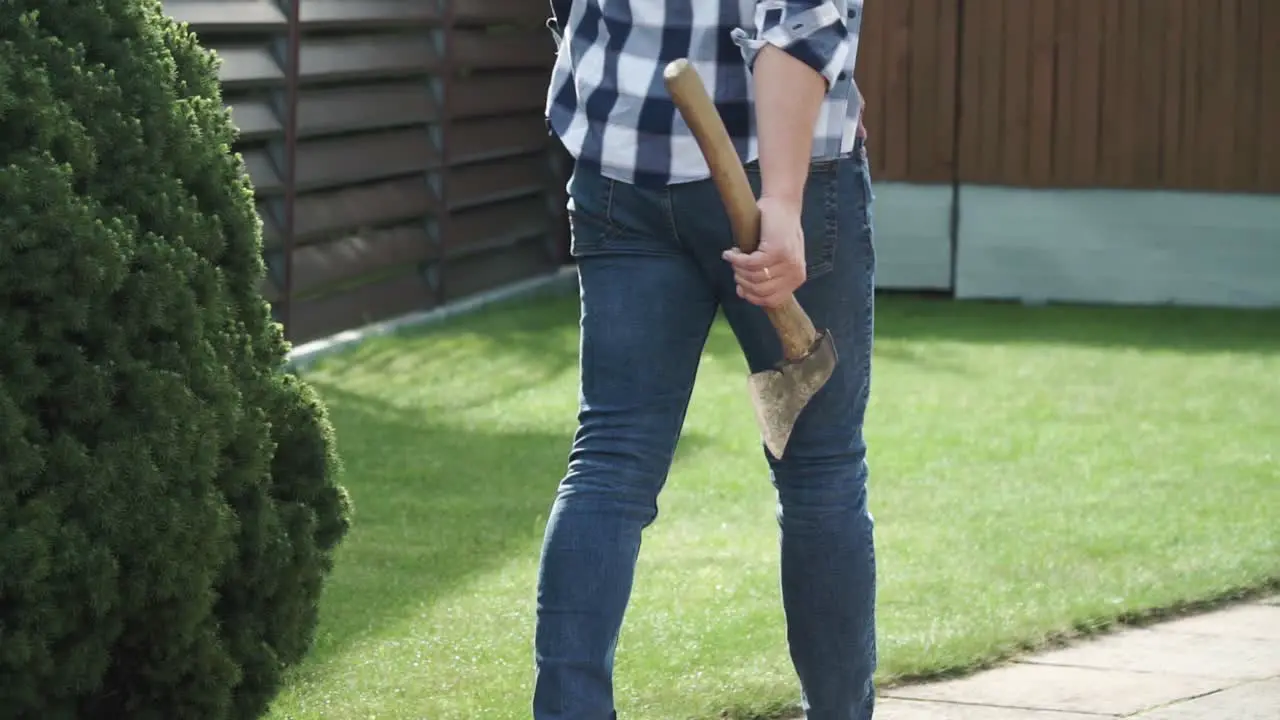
(435, 506)
(1186, 330)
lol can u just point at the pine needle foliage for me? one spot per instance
(169, 495)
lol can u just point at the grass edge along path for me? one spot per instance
(1098, 627)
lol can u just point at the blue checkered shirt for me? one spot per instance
(607, 102)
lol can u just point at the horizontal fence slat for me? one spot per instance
(247, 66)
(499, 94)
(367, 253)
(361, 158)
(477, 140)
(496, 180)
(366, 57)
(501, 224)
(208, 17)
(364, 14)
(262, 171)
(354, 108)
(332, 213)
(515, 49)
(255, 119)
(478, 272)
(494, 12)
(323, 315)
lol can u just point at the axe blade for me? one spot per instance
(781, 393)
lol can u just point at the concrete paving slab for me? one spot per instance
(1243, 621)
(1067, 689)
(891, 709)
(1253, 701)
(1157, 650)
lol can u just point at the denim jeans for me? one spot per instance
(651, 282)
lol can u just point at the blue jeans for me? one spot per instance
(652, 280)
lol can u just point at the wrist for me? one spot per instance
(787, 199)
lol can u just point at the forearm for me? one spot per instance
(788, 97)
(797, 51)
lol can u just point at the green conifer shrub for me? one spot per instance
(169, 497)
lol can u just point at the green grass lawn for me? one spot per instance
(1034, 472)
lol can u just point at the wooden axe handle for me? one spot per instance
(795, 329)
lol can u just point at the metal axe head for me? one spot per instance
(782, 392)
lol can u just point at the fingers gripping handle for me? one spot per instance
(795, 329)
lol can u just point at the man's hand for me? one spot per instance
(777, 267)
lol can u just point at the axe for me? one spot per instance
(778, 394)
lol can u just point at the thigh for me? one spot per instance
(839, 297)
(646, 309)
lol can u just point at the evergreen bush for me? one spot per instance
(169, 501)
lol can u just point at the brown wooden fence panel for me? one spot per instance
(368, 162)
(1179, 94)
(906, 71)
(504, 204)
(421, 170)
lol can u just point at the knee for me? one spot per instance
(616, 472)
(817, 489)
(620, 459)
(610, 474)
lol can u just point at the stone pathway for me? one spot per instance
(1222, 665)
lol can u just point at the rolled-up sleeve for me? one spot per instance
(812, 31)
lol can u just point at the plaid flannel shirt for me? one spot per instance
(607, 102)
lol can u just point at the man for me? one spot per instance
(653, 247)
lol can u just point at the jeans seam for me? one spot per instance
(608, 203)
(826, 259)
(668, 208)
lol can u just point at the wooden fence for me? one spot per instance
(397, 148)
(1175, 94)
(401, 160)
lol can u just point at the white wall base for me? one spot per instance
(912, 236)
(1113, 246)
